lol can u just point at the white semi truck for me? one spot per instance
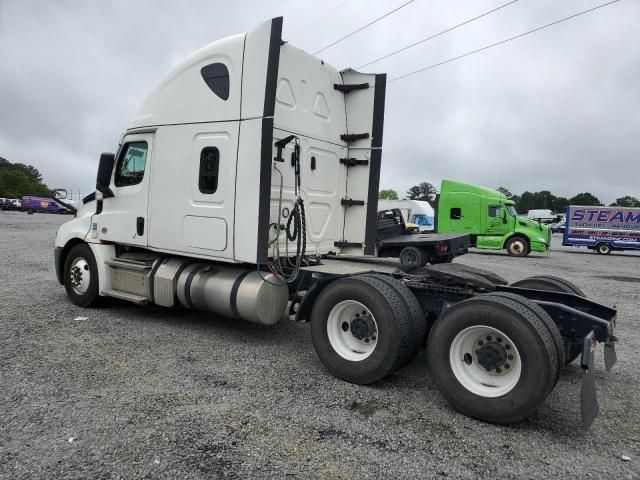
(254, 165)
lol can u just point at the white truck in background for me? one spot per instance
(246, 172)
(418, 212)
(543, 216)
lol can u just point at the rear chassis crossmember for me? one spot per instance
(439, 287)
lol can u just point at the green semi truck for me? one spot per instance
(489, 218)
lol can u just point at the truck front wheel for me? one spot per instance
(603, 248)
(517, 247)
(492, 359)
(361, 329)
(81, 276)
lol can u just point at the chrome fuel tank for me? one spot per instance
(233, 292)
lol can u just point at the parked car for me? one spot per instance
(543, 216)
(558, 227)
(42, 204)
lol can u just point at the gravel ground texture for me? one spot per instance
(149, 392)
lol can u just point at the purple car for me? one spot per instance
(42, 204)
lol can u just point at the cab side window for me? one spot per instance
(209, 166)
(131, 164)
(494, 211)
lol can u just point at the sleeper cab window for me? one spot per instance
(208, 172)
(131, 164)
(216, 76)
(455, 214)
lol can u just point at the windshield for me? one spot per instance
(512, 210)
(423, 220)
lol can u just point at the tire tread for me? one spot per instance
(417, 318)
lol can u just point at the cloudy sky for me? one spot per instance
(557, 110)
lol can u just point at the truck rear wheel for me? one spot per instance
(361, 329)
(552, 328)
(413, 257)
(603, 248)
(417, 318)
(572, 345)
(517, 246)
(81, 276)
(492, 359)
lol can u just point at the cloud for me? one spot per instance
(556, 110)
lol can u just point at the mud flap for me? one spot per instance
(588, 397)
(610, 356)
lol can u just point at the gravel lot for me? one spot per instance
(137, 392)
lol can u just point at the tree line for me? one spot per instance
(543, 200)
(18, 180)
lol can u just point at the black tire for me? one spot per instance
(418, 319)
(90, 296)
(531, 339)
(517, 246)
(603, 248)
(572, 345)
(394, 342)
(552, 328)
(413, 257)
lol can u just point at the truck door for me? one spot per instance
(464, 213)
(123, 218)
(497, 222)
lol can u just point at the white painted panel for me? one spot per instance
(204, 232)
(248, 188)
(174, 190)
(359, 107)
(256, 57)
(306, 102)
(322, 190)
(184, 97)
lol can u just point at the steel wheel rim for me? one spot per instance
(343, 333)
(410, 258)
(517, 246)
(79, 276)
(464, 355)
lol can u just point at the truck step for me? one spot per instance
(129, 297)
(129, 264)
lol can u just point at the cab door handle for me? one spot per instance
(140, 226)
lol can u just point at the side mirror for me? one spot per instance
(59, 194)
(105, 168)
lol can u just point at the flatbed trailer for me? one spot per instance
(416, 249)
(246, 176)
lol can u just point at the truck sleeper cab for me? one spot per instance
(490, 218)
(246, 167)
